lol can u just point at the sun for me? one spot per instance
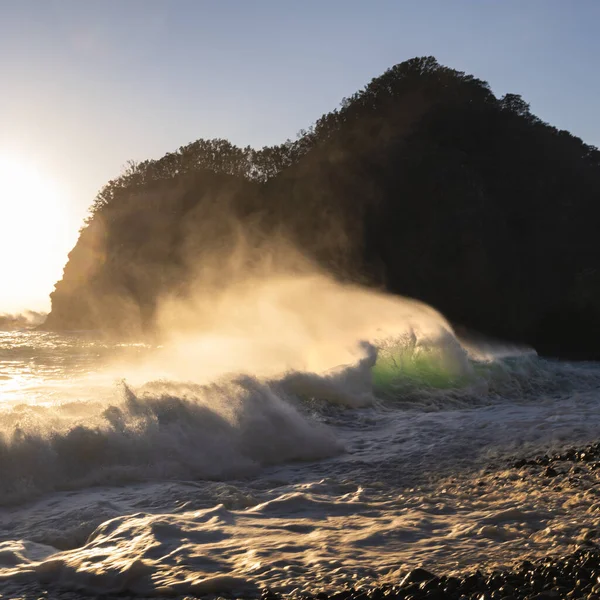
(34, 235)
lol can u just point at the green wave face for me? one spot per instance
(399, 365)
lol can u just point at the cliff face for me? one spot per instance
(423, 183)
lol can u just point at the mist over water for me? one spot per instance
(268, 326)
(25, 320)
(290, 431)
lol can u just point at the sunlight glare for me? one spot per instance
(35, 236)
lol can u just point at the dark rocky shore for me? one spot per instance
(572, 574)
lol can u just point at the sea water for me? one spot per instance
(170, 469)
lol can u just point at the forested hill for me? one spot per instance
(423, 183)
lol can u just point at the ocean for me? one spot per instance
(298, 446)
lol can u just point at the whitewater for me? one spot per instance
(296, 434)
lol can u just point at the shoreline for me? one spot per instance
(567, 573)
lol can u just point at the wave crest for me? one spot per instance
(164, 430)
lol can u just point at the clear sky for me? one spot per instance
(88, 85)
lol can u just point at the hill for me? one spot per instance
(423, 183)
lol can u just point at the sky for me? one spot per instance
(87, 86)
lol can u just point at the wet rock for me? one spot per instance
(431, 584)
(416, 576)
(507, 590)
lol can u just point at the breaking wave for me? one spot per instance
(238, 424)
(163, 431)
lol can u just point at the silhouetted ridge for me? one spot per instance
(423, 183)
